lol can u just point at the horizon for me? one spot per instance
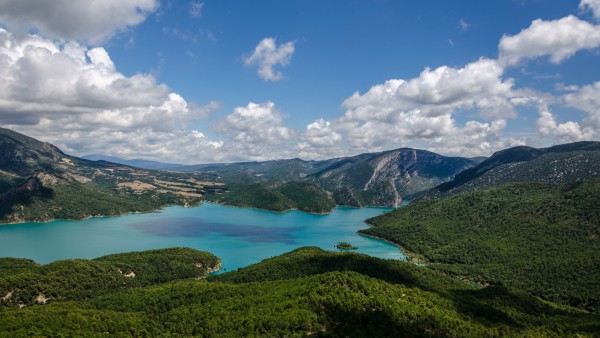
(202, 82)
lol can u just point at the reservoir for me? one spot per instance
(238, 236)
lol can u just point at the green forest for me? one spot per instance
(303, 196)
(305, 292)
(539, 237)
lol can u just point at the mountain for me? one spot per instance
(538, 237)
(138, 163)
(305, 292)
(378, 179)
(385, 178)
(561, 163)
(38, 182)
(23, 155)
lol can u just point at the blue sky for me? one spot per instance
(206, 81)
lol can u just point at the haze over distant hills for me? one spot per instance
(139, 163)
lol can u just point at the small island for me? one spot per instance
(345, 246)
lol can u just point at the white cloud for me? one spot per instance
(560, 132)
(74, 97)
(587, 99)
(438, 133)
(421, 112)
(256, 132)
(93, 21)
(560, 39)
(196, 9)
(591, 5)
(319, 140)
(320, 134)
(267, 55)
(438, 92)
(465, 26)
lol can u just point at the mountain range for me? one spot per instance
(39, 182)
(379, 179)
(562, 163)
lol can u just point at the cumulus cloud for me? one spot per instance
(267, 55)
(421, 111)
(74, 96)
(256, 131)
(591, 5)
(560, 39)
(587, 99)
(438, 92)
(92, 21)
(563, 132)
(320, 140)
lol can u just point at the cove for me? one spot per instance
(238, 236)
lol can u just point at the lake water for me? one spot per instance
(240, 237)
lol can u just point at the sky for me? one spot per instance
(222, 81)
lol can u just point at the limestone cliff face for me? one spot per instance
(383, 179)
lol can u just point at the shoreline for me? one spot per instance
(197, 205)
(158, 210)
(385, 240)
(410, 256)
(274, 211)
(94, 216)
(306, 212)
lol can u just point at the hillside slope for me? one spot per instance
(384, 179)
(540, 237)
(302, 196)
(38, 182)
(562, 163)
(339, 294)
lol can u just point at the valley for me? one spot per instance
(38, 182)
(506, 245)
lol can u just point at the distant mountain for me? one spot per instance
(381, 179)
(378, 179)
(386, 178)
(139, 163)
(38, 182)
(562, 163)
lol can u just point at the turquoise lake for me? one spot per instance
(240, 237)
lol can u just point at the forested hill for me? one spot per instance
(303, 196)
(562, 163)
(38, 182)
(306, 292)
(543, 238)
